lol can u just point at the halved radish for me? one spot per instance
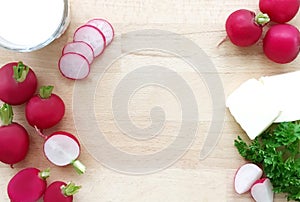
(262, 190)
(246, 176)
(62, 148)
(92, 36)
(74, 66)
(81, 48)
(105, 27)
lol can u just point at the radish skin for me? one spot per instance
(28, 185)
(18, 83)
(14, 139)
(60, 191)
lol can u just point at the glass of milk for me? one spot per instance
(28, 25)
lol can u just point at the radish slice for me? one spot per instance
(262, 190)
(92, 36)
(105, 27)
(80, 47)
(246, 176)
(61, 149)
(74, 66)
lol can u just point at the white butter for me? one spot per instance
(284, 91)
(252, 107)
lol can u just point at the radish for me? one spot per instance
(74, 66)
(105, 27)
(28, 185)
(81, 48)
(246, 176)
(45, 110)
(280, 11)
(243, 28)
(18, 83)
(60, 192)
(62, 149)
(14, 139)
(262, 190)
(281, 43)
(92, 36)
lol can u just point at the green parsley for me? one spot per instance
(277, 151)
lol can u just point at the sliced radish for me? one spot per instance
(62, 148)
(92, 36)
(105, 27)
(81, 48)
(262, 190)
(74, 66)
(246, 176)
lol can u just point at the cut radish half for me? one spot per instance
(92, 36)
(62, 148)
(74, 66)
(246, 176)
(262, 190)
(105, 27)
(81, 48)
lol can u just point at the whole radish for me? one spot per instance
(18, 83)
(62, 149)
(28, 185)
(281, 43)
(244, 28)
(60, 192)
(280, 11)
(45, 110)
(14, 139)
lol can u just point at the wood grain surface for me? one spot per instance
(188, 179)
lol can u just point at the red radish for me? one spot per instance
(18, 83)
(92, 36)
(246, 176)
(244, 28)
(281, 43)
(105, 27)
(14, 139)
(262, 190)
(45, 110)
(74, 66)
(62, 148)
(28, 185)
(60, 192)
(280, 11)
(81, 48)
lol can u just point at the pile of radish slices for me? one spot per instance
(89, 42)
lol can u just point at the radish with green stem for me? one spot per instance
(18, 83)
(14, 139)
(244, 28)
(62, 149)
(45, 110)
(60, 191)
(28, 185)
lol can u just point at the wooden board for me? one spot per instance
(188, 179)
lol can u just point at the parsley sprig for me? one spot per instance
(277, 151)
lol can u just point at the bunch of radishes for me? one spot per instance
(281, 42)
(44, 110)
(249, 178)
(89, 41)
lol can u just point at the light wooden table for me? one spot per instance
(189, 179)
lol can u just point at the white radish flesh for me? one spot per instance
(74, 66)
(105, 27)
(246, 176)
(92, 36)
(80, 47)
(262, 191)
(61, 150)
